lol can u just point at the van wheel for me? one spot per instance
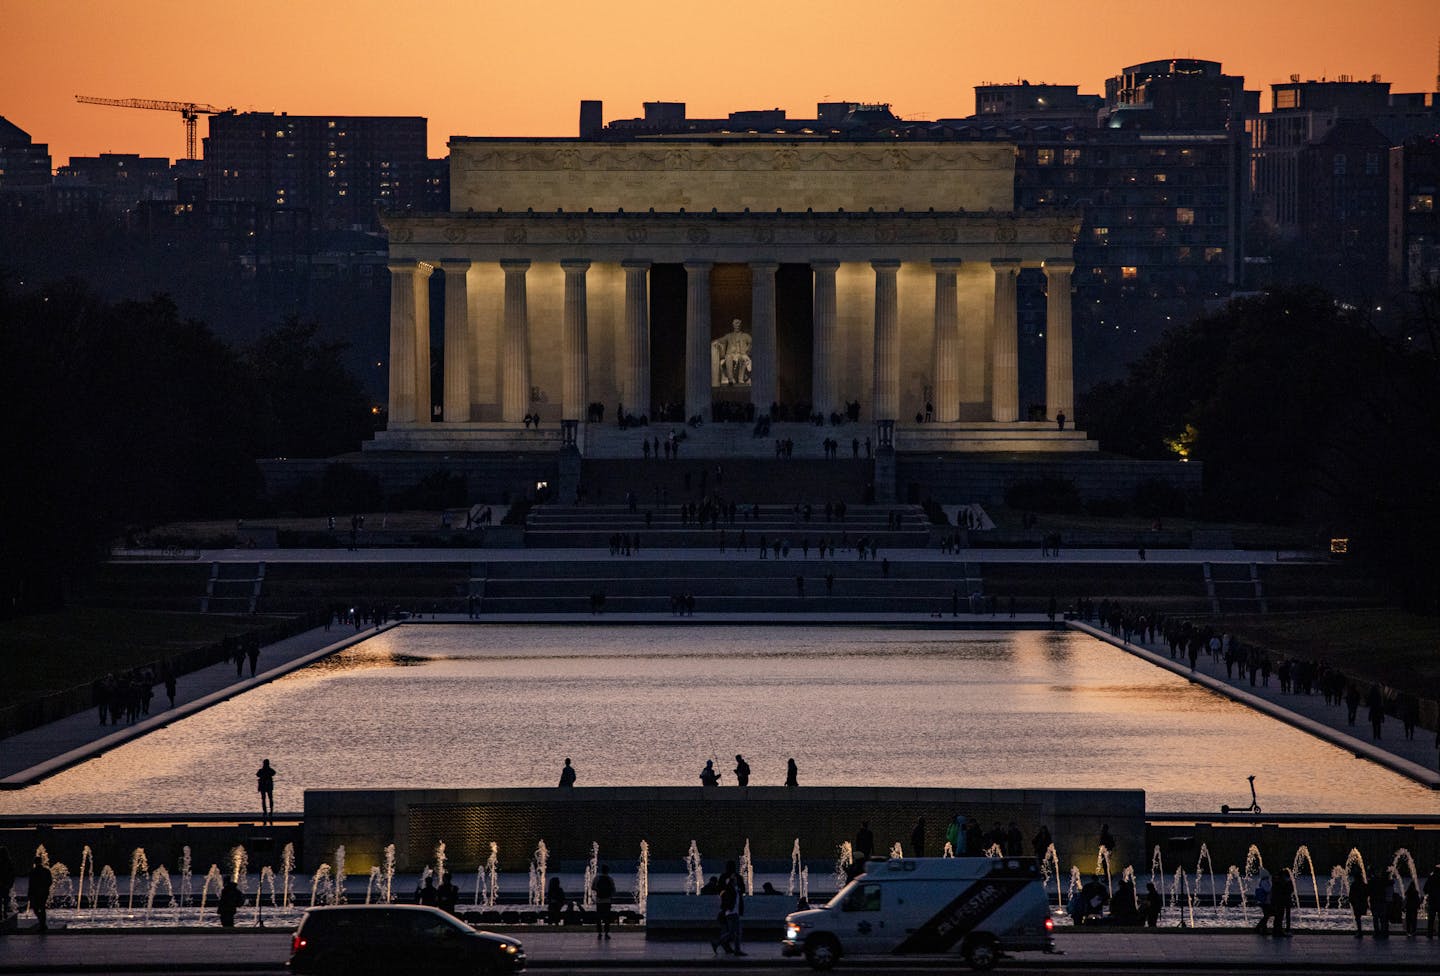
(822, 952)
(982, 953)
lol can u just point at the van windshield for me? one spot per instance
(840, 896)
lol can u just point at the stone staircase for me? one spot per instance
(772, 482)
(640, 585)
(724, 440)
(233, 588)
(591, 526)
(1235, 588)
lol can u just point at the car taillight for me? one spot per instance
(296, 943)
(1049, 924)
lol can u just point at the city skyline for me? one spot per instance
(480, 69)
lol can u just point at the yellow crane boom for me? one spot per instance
(189, 112)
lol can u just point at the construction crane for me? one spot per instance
(189, 111)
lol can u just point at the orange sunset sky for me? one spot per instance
(519, 67)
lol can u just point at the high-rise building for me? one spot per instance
(24, 170)
(340, 171)
(1414, 245)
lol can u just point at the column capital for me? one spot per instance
(824, 264)
(455, 265)
(405, 267)
(693, 266)
(765, 267)
(946, 265)
(1058, 266)
(1011, 265)
(575, 265)
(515, 265)
(885, 265)
(635, 264)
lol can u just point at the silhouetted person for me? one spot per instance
(792, 773)
(917, 838)
(447, 896)
(265, 782)
(567, 775)
(554, 901)
(1432, 902)
(1153, 904)
(40, 881)
(7, 882)
(253, 653)
(428, 894)
(604, 888)
(708, 776)
(1359, 900)
(170, 685)
(864, 840)
(1107, 839)
(1381, 891)
(230, 901)
(742, 771)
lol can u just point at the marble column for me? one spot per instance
(1004, 362)
(945, 353)
(574, 343)
(515, 345)
(409, 342)
(762, 328)
(457, 342)
(635, 392)
(1059, 343)
(887, 341)
(824, 348)
(697, 339)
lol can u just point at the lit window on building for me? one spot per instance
(1102, 234)
(1422, 203)
(1071, 157)
(1044, 157)
(1214, 253)
(1160, 177)
(279, 133)
(1129, 272)
(1184, 215)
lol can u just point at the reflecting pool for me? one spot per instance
(489, 705)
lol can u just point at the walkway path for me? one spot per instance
(1415, 758)
(708, 554)
(36, 753)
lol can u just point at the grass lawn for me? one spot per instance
(1398, 649)
(51, 652)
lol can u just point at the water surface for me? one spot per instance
(473, 706)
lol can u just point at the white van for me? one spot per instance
(978, 907)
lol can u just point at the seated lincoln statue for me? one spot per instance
(730, 358)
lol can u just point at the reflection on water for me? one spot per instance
(437, 706)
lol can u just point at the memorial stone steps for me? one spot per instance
(773, 481)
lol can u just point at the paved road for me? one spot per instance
(1169, 950)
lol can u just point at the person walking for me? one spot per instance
(792, 778)
(708, 776)
(954, 831)
(1412, 909)
(742, 771)
(1153, 904)
(1262, 900)
(731, 907)
(447, 896)
(40, 882)
(864, 840)
(1381, 891)
(7, 882)
(1359, 899)
(567, 775)
(1432, 902)
(917, 838)
(1281, 896)
(253, 654)
(554, 901)
(265, 783)
(604, 888)
(231, 898)
(428, 893)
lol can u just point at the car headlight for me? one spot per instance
(792, 931)
(510, 948)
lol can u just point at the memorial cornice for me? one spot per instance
(797, 236)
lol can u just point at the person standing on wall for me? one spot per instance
(265, 782)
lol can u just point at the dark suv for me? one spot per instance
(348, 939)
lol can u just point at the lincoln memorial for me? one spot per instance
(870, 284)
